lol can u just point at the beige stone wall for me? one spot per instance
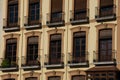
(66, 31)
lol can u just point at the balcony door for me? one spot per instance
(79, 47)
(56, 10)
(55, 49)
(12, 15)
(34, 12)
(105, 45)
(32, 50)
(11, 48)
(80, 9)
(106, 8)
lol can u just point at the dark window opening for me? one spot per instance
(105, 45)
(32, 50)
(12, 13)
(80, 9)
(56, 10)
(106, 7)
(11, 48)
(55, 49)
(79, 49)
(34, 12)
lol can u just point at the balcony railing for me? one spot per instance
(54, 60)
(32, 24)
(31, 63)
(79, 16)
(8, 65)
(105, 58)
(81, 60)
(7, 26)
(105, 13)
(55, 19)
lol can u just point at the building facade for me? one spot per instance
(60, 40)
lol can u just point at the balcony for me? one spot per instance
(13, 26)
(105, 59)
(7, 65)
(79, 17)
(55, 19)
(32, 24)
(78, 61)
(32, 63)
(105, 13)
(54, 61)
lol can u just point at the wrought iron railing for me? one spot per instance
(105, 11)
(8, 24)
(83, 58)
(104, 56)
(54, 59)
(55, 17)
(79, 14)
(8, 63)
(28, 21)
(31, 60)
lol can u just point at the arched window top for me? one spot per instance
(11, 40)
(79, 34)
(55, 37)
(54, 78)
(12, 2)
(105, 33)
(31, 78)
(33, 1)
(78, 77)
(33, 39)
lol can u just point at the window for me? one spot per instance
(78, 77)
(11, 47)
(34, 11)
(31, 78)
(103, 75)
(106, 7)
(32, 50)
(54, 78)
(80, 9)
(79, 46)
(55, 49)
(12, 13)
(105, 45)
(56, 10)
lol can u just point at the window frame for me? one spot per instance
(80, 45)
(8, 14)
(29, 61)
(57, 53)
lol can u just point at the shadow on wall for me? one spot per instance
(118, 75)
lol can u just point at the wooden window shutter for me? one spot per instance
(56, 5)
(80, 4)
(106, 2)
